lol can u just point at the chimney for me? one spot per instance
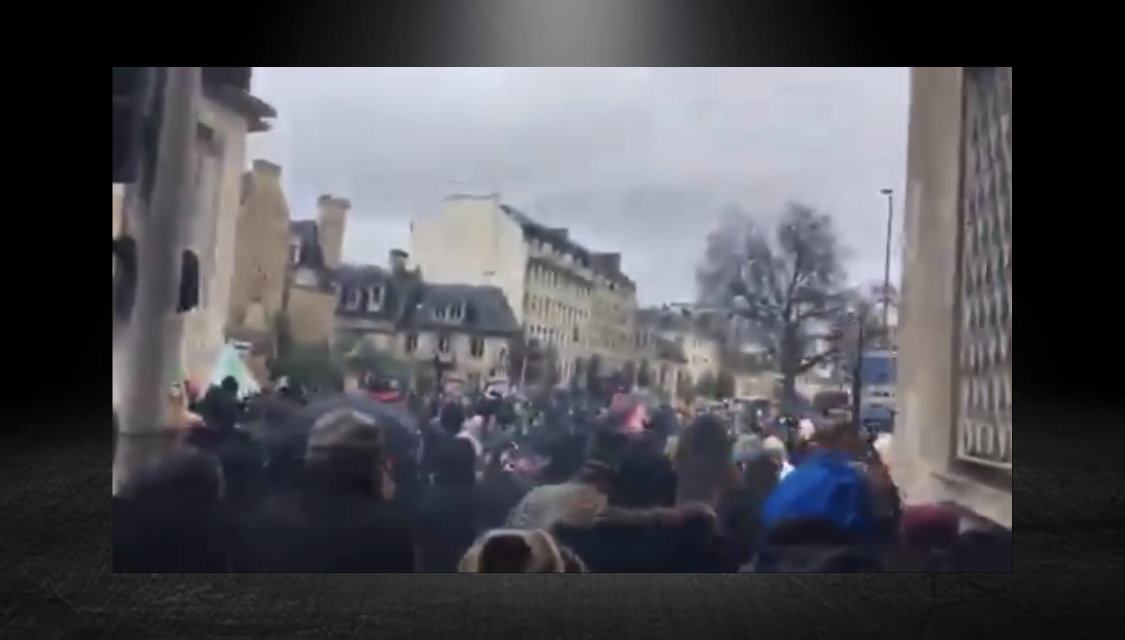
(266, 168)
(398, 260)
(331, 222)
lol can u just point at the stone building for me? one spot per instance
(563, 294)
(701, 345)
(462, 328)
(611, 328)
(227, 116)
(953, 436)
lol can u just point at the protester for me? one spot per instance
(580, 499)
(703, 461)
(452, 511)
(340, 519)
(775, 450)
(546, 483)
(822, 517)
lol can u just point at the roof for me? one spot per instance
(607, 265)
(677, 320)
(486, 308)
(239, 100)
(413, 305)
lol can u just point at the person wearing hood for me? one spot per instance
(340, 519)
(451, 511)
(822, 518)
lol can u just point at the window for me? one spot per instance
(354, 299)
(411, 343)
(456, 312)
(476, 348)
(444, 344)
(375, 298)
(294, 252)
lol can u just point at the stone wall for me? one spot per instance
(953, 361)
(311, 314)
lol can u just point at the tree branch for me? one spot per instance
(812, 361)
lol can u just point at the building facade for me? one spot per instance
(457, 331)
(953, 439)
(226, 120)
(563, 295)
(700, 346)
(226, 115)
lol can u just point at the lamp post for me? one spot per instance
(887, 259)
(857, 374)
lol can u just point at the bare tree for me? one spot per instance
(862, 326)
(790, 286)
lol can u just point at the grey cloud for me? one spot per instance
(637, 160)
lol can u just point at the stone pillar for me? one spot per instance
(925, 458)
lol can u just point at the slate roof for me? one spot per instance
(410, 304)
(603, 264)
(486, 308)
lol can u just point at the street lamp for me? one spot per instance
(887, 259)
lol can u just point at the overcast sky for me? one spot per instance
(640, 161)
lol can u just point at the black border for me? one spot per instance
(55, 579)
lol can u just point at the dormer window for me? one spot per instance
(375, 298)
(456, 312)
(352, 299)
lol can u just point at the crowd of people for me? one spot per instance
(378, 481)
